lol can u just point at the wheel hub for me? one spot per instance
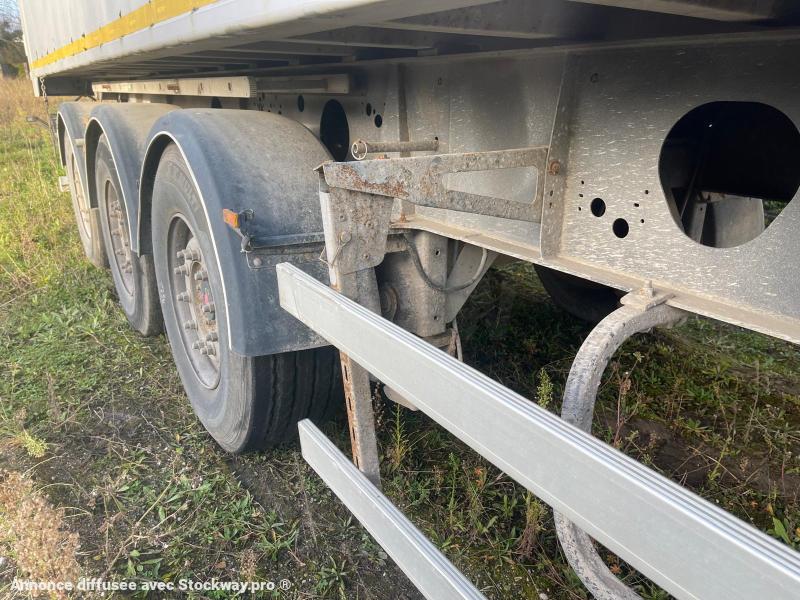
(197, 310)
(120, 240)
(84, 219)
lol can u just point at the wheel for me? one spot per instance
(581, 298)
(86, 218)
(134, 276)
(245, 403)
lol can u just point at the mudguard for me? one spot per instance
(126, 127)
(263, 165)
(71, 125)
(72, 120)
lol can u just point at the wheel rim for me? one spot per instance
(192, 298)
(84, 212)
(120, 239)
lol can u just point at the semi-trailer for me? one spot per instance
(303, 195)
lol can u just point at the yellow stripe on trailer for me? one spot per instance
(152, 13)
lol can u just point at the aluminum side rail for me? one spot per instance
(419, 559)
(688, 546)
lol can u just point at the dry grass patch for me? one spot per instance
(34, 535)
(19, 101)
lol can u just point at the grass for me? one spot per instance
(96, 433)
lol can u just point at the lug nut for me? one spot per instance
(208, 351)
(212, 337)
(201, 275)
(180, 271)
(208, 308)
(189, 325)
(182, 297)
(197, 345)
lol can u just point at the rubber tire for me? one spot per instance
(93, 244)
(141, 307)
(587, 300)
(257, 401)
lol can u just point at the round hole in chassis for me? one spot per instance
(728, 169)
(334, 131)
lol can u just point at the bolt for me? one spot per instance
(208, 308)
(188, 255)
(554, 167)
(257, 262)
(201, 275)
(182, 297)
(345, 237)
(212, 336)
(197, 345)
(189, 325)
(647, 289)
(180, 271)
(208, 351)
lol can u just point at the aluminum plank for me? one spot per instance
(419, 559)
(687, 545)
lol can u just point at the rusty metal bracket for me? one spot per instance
(356, 228)
(356, 200)
(421, 180)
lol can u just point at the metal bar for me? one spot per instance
(355, 279)
(293, 48)
(718, 10)
(419, 559)
(306, 84)
(420, 179)
(360, 416)
(361, 148)
(688, 546)
(223, 87)
(281, 241)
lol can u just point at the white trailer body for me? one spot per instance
(643, 155)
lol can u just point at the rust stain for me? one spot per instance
(352, 180)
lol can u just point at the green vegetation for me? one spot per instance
(94, 427)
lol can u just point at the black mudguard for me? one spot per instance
(127, 128)
(72, 120)
(249, 161)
